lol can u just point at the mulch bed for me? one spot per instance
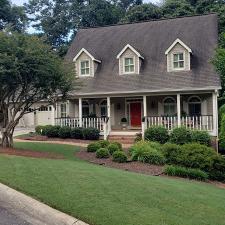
(137, 167)
(29, 153)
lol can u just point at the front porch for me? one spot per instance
(108, 114)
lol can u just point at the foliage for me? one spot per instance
(138, 149)
(180, 135)
(93, 147)
(119, 156)
(52, 131)
(138, 137)
(157, 133)
(217, 171)
(76, 133)
(171, 152)
(102, 153)
(201, 137)
(186, 172)
(104, 143)
(64, 132)
(91, 134)
(38, 129)
(113, 148)
(222, 133)
(118, 144)
(152, 157)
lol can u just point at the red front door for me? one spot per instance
(135, 114)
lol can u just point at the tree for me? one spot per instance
(29, 72)
(142, 12)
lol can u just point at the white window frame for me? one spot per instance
(177, 53)
(85, 75)
(124, 59)
(63, 112)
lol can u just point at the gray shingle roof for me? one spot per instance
(151, 39)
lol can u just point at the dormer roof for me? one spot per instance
(178, 41)
(132, 49)
(86, 52)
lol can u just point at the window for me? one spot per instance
(103, 108)
(129, 65)
(63, 110)
(169, 106)
(85, 67)
(178, 61)
(194, 106)
(85, 109)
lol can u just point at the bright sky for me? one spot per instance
(20, 2)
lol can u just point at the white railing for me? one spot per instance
(69, 122)
(191, 122)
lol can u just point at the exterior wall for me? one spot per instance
(84, 57)
(178, 48)
(129, 53)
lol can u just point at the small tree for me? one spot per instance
(29, 72)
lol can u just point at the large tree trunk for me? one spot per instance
(7, 140)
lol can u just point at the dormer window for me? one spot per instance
(128, 65)
(178, 61)
(85, 68)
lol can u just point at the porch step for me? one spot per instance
(123, 139)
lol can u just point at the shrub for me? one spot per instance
(186, 172)
(64, 132)
(38, 129)
(155, 145)
(104, 143)
(118, 144)
(76, 133)
(93, 147)
(195, 155)
(201, 137)
(222, 133)
(157, 133)
(113, 148)
(171, 152)
(52, 131)
(180, 135)
(102, 153)
(45, 129)
(119, 156)
(91, 134)
(152, 157)
(217, 172)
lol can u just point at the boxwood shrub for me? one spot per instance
(91, 134)
(104, 143)
(113, 148)
(186, 172)
(118, 144)
(52, 131)
(152, 157)
(93, 147)
(77, 133)
(201, 137)
(157, 133)
(64, 132)
(102, 153)
(172, 153)
(119, 156)
(39, 129)
(180, 136)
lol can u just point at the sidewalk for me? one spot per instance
(33, 211)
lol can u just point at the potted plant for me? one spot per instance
(124, 123)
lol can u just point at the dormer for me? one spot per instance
(178, 57)
(85, 64)
(129, 60)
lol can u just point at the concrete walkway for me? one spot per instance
(20, 207)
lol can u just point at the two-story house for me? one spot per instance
(151, 73)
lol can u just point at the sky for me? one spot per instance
(20, 2)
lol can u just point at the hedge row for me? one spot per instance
(179, 135)
(67, 132)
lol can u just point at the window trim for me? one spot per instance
(124, 59)
(180, 68)
(85, 75)
(164, 103)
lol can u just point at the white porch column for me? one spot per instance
(215, 113)
(178, 110)
(109, 112)
(80, 112)
(144, 106)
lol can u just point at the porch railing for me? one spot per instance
(204, 122)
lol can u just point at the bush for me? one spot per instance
(222, 133)
(119, 145)
(180, 135)
(186, 172)
(152, 157)
(93, 147)
(201, 137)
(157, 133)
(171, 152)
(102, 153)
(113, 148)
(76, 133)
(119, 156)
(51, 131)
(104, 143)
(91, 134)
(64, 132)
(217, 172)
(39, 129)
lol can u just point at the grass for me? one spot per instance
(105, 196)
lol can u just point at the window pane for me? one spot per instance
(82, 64)
(127, 61)
(131, 68)
(175, 64)
(181, 56)
(175, 57)
(83, 71)
(87, 71)
(127, 69)
(181, 64)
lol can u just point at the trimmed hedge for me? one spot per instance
(186, 172)
(102, 153)
(118, 144)
(38, 129)
(180, 136)
(76, 133)
(119, 156)
(93, 147)
(91, 134)
(52, 131)
(104, 143)
(201, 137)
(64, 132)
(113, 148)
(157, 133)
(217, 172)
(152, 157)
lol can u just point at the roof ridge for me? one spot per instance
(146, 21)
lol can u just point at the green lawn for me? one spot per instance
(104, 196)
